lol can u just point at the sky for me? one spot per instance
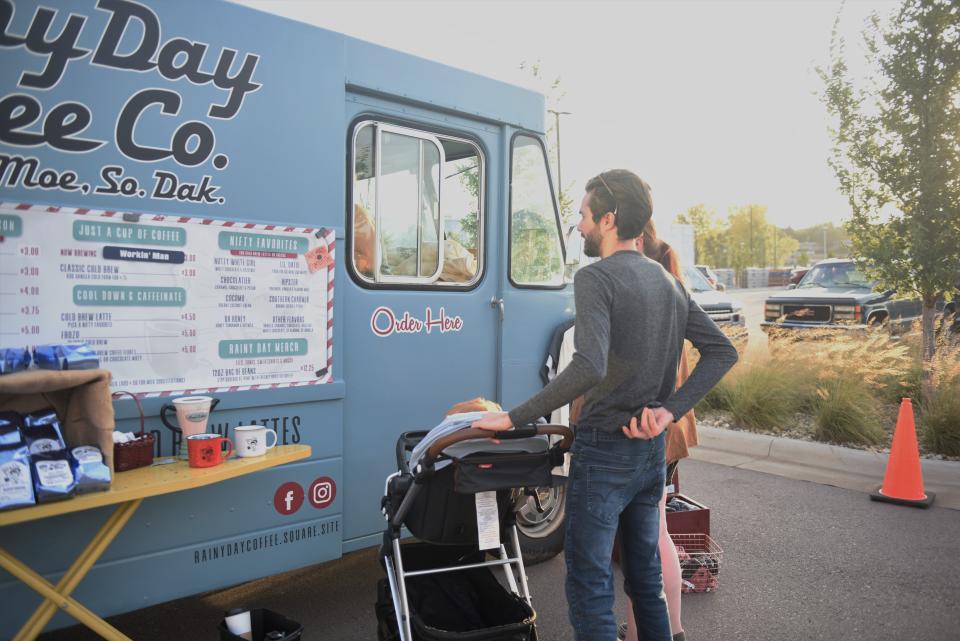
(710, 102)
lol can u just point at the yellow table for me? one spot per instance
(128, 490)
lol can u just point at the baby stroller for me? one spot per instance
(443, 587)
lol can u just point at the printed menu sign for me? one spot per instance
(169, 303)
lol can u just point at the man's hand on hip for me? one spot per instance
(651, 424)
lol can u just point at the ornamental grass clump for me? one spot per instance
(846, 412)
(765, 395)
(719, 398)
(940, 418)
(940, 422)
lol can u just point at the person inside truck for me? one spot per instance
(459, 264)
(631, 321)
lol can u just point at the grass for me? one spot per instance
(849, 383)
(765, 395)
(846, 412)
(718, 398)
(940, 420)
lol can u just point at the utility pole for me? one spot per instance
(556, 115)
(824, 242)
(776, 232)
(750, 264)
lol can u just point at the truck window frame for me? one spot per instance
(416, 130)
(556, 216)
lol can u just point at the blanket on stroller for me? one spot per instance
(461, 421)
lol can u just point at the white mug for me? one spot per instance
(251, 440)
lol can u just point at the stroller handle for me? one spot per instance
(520, 432)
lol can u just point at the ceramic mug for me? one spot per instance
(206, 450)
(193, 412)
(251, 440)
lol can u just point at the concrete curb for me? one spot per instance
(818, 462)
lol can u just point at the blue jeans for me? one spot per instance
(615, 481)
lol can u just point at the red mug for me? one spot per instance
(206, 450)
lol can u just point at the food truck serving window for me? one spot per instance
(417, 207)
(536, 254)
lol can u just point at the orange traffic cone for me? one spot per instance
(903, 481)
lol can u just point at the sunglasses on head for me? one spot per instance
(610, 191)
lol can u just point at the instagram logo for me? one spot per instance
(322, 492)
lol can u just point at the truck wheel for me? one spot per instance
(879, 323)
(541, 534)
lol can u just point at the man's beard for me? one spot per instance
(591, 244)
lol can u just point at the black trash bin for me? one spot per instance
(262, 622)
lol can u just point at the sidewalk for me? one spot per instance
(818, 462)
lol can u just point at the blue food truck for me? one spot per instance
(336, 240)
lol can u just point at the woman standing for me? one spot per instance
(681, 435)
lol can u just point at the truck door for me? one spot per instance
(534, 299)
(420, 331)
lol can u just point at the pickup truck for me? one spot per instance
(725, 312)
(835, 294)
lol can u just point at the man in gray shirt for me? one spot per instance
(632, 318)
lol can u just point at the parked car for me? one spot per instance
(797, 275)
(711, 277)
(725, 312)
(835, 294)
(951, 317)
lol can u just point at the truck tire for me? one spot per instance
(879, 322)
(541, 535)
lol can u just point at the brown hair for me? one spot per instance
(659, 250)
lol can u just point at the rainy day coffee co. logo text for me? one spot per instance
(131, 42)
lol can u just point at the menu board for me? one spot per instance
(170, 304)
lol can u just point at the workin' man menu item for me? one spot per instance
(170, 303)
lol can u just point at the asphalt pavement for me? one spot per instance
(801, 562)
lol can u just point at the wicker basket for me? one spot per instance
(134, 454)
(700, 561)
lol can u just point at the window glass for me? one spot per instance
(460, 208)
(835, 275)
(396, 215)
(409, 205)
(364, 202)
(417, 203)
(536, 257)
(695, 280)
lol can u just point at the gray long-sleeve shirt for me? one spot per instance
(632, 319)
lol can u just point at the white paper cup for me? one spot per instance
(193, 412)
(238, 622)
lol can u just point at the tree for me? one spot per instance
(747, 235)
(554, 94)
(709, 232)
(896, 152)
(780, 245)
